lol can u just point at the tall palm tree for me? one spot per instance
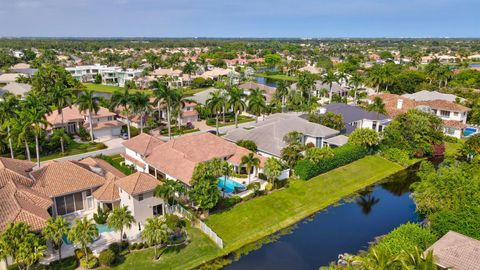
(87, 102)
(376, 77)
(189, 68)
(356, 82)
(36, 117)
(416, 260)
(82, 233)
(124, 99)
(235, 101)
(7, 115)
(120, 218)
(164, 95)
(215, 104)
(377, 106)
(180, 99)
(61, 97)
(249, 161)
(329, 78)
(55, 229)
(169, 190)
(141, 105)
(21, 131)
(256, 103)
(305, 83)
(155, 233)
(282, 92)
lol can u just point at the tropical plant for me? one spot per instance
(306, 83)
(155, 233)
(120, 218)
(315, 154)
(61, 98)
(87, 102)
(256, 103)
(164, 96)
(248, 144)
(329, 78)
(377, 106)
(82, 233)
(125, 100)
(236, 102)
(215, 104)
(54, 232)
(364, 137)
(281, 93)
(272, 169)
(329, 119)
(30, 250)
(7, 115)
(250, 161)
(356, 81)
(12, 237)
(141, 105)
(169, 189)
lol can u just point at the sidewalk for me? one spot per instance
(114, 146)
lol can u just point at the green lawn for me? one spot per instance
(230, 120)
(73, 149)
(265, 215)
(200, 250)
(109, 88)
(277, 77)
(176, 132)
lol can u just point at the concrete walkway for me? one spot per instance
(114, 146)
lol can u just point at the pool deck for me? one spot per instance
(244, 181)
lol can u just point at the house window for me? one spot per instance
(140, 197)
(157, 210)
(455, 114)
(374, 125)
(449, 131)
(445, 114)
(69, 203)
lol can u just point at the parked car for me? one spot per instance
(124, 136)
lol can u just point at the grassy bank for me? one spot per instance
(265, 215)
(111, 88)
(277, 77)
(260, 217)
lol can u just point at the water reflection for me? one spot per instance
(366, 203)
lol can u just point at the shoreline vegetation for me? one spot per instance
(257, 219)
(276, 77)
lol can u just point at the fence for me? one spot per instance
(179, 210)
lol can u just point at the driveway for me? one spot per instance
(114, 146)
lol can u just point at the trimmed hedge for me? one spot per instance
(305, 169)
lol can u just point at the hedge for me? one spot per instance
(305, 169)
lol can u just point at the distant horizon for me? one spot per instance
(240, 18)
(234, 38)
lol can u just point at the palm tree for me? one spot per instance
(155, 233)
(7, 115)
(141, 105)
(376, 77)
(55, 229)
(11, 238)
(377, 106)
(366, 202)
(87, 102)
(256, 103)
(189, 68)
(355, 82)
(305, 83)
(36, 117)
(120, 218)
(169, 189)
(282, 92)
(380, 259)
(30, 250)
(82, 233)
(124, 99)
(164, 95)
(21, 131)
(329, 78)
(250, 161)
(215, 104)
(236, 102)
(61, 98)
(180, 99)
(416, 260)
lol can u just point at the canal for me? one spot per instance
(347, 227)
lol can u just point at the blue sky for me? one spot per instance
(240, 18)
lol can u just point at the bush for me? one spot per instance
(407, 237)
(230, 202)
(133, 246)
(100, 146)
(305, 169)
(79, 253)
(140, 245)
(101, 216)
(89, 262)
(69, 263)
(115, 248)
(107, 257)
(83, 134)
(465, 221)
(133, 131)
(248, 144)
(396, 155)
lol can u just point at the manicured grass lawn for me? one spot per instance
(277, 77)
(73, 149)
(229, 120)
(200, 250)
(191, 92)
(109, 88)
(265, 215)
(176, 132)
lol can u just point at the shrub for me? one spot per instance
(83, 134)
(107, 257)
(89, 262)
(133, 246)
(229, 202)
(101, 216)
(133, 131)
(140, 245)
(465, 221)
(396, 155)
(248, 144)
(306, 169)
(69, 263)
(115, 248)
(124, 244)
(79, 253)
(100, 146)
(406, 237)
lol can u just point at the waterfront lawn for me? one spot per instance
(199, 250)
(265, 215)
(108, 88)
(277, 77)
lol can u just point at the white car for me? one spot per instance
(124, 136)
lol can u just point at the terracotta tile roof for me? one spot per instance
(456, 251)
(454, 124)
(19, 168)
(178, 157)
(142, 144)
(109, 191)
(102, 164)
(73, 114)
(133, 160)
(138, 183)
(59, 178)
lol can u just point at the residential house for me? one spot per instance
(453, 115)
(110, 75)
(425, 95)
(6, 78)
(105, 126)
(456, 251)
(318, 87)
(17, 89)
(177, 158)
(268, 134)
(356, 117)
(268, 91)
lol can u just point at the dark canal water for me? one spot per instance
(348, 227)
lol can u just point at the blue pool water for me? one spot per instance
(229, 185)
(469, 131)
(102, 228)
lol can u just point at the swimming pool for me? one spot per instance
(229, 185)
(469, 131)
(102, 228)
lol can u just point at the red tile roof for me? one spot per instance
(138, 183)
